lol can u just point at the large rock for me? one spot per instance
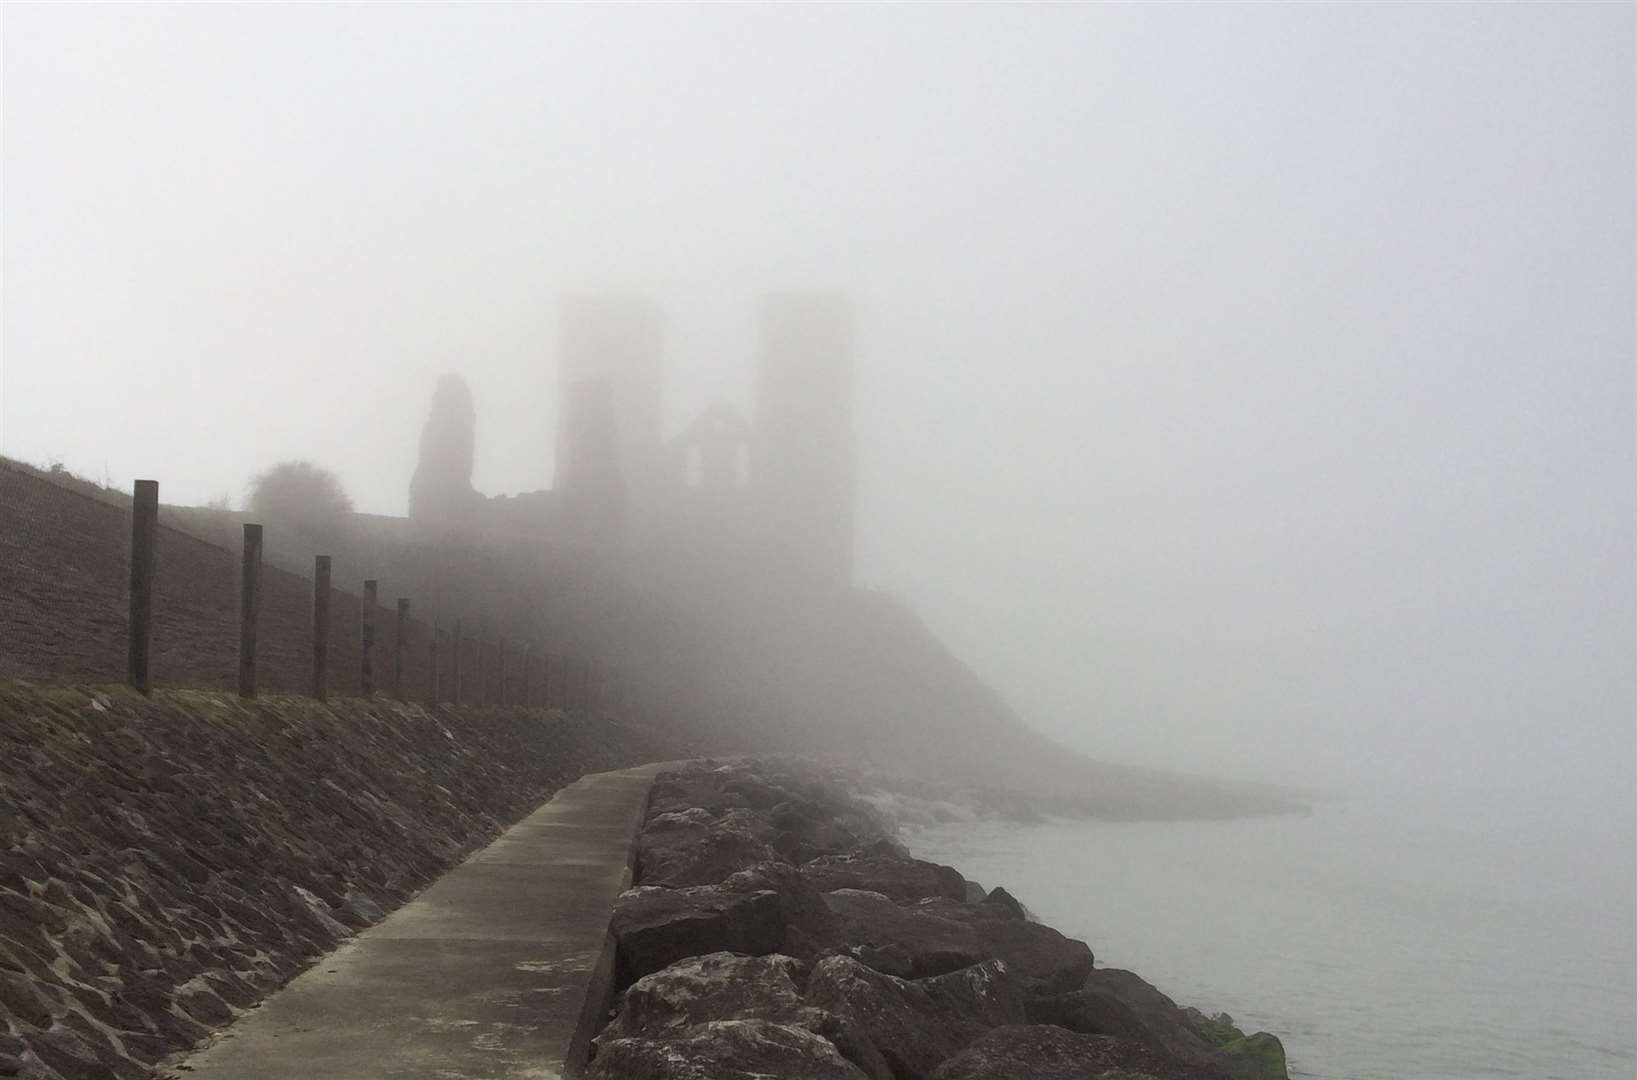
(1122, 1004)
(1090, 1012)
(715, 986)
(718, 789)
(677, 792)
(726, 986)
(909, 942)
(1003, 903)
(687, 851)
(725, 1050)
(1260, 1056)
(1043, 1052)
(806, 831)
(942, 935)
(897, 878)
(810, 928)
(916, 1025)
(1044, 960)
(654, 927)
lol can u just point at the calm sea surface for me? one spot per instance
(1374, 944)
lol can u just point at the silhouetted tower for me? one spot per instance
(616, 340)
(441, 490)
(803, 465)
(590, 480)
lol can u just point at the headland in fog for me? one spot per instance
(708, 569)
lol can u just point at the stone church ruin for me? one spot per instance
(770, 497)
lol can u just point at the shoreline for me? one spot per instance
(779, 926)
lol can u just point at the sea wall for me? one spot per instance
(64, 596)
(165, 863)
(778, 929)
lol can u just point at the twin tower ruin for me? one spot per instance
(773, 495)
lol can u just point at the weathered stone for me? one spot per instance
(113, 1011)
(810, 928)
(232, 988)
(715, 986)
(1119, 1003)
(748, 822)
(698, 854)
(676, 819)
(756, 792)
(806, 831)
(1259, 1056)
(875, 928)
(1005, 904)
(679, 792)
(1045, 960)
(654, 927)
(725, 986)
(204, 1006)
(889, 959)
(20, 914)
(145, 1048)
(1089, 1012)
(20, 998)
(69, 1055)
(899, 879)
(915, 1025)
(725, 1050)
(1043, 1052)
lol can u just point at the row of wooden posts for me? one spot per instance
(583, 680)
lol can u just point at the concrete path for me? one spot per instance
(501, 968)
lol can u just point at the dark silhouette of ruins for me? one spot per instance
(769, 498)
(441, 492)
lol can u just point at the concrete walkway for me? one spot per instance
(502, 968)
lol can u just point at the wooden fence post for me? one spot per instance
(454, 674)
(502, 648)
(482, 671)
(432, 665)
(366, 661)
(144, 529)
(249, 603)
(528, 663)
(321, 627)
(545, 678)
(398, 649)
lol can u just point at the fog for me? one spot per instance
(1239, 389)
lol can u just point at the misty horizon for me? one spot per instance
(1243, 391)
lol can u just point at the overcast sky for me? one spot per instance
(1241, 388)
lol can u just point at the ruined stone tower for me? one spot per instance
(440, 492)
(803, 467)
(590, 480)
(615, 340)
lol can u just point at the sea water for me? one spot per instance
(1375, 944)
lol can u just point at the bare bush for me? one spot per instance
(301, 495)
